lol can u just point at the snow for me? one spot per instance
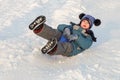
(21, 59)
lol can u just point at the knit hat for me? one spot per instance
(90, 19)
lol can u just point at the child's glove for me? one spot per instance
(72, 37)
(68, 35)
(66, 32)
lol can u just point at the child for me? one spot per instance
(66, 40)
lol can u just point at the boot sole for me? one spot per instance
(33, 26)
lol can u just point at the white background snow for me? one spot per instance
(21, 59)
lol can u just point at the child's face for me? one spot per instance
(85, 24)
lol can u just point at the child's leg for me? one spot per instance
(47, 32)
(62, 49)
(57, 48)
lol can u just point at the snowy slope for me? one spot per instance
(20, 58)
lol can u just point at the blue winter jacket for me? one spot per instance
(83, 42)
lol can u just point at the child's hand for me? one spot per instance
(73, 37)
(66, 32)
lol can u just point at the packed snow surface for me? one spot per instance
(20, 56)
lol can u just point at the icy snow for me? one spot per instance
(20, 56)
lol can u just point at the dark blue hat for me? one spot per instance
(90, 19)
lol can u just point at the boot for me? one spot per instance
(50, 46)
(37, 22)
(52, 51)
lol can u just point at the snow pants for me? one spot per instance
(63, 48)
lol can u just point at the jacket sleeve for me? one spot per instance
(61, 27)
(84, 41)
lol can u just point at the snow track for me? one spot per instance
(20, 58)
